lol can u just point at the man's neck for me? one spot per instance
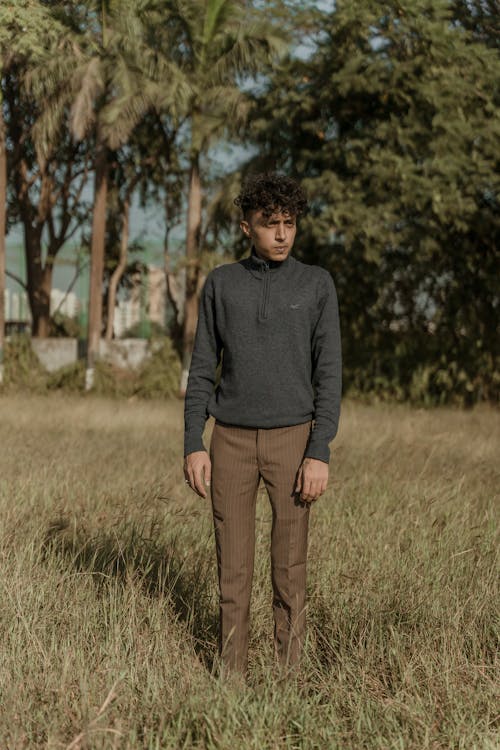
(271, 263)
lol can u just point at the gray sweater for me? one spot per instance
(276, 326)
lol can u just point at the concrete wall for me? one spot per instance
(55, 353)
(125, 353)
(59, 352)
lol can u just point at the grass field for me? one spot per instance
(108, 592)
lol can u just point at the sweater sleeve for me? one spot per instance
(327, 375)
(202, 372)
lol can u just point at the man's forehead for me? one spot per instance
(274, 215)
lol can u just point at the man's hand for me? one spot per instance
(198, 467)
(312, 479)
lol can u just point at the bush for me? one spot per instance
(70, 378)
(22, 366)
(159, 376)
(64, 326)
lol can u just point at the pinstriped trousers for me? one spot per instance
(240, 456)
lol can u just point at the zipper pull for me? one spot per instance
(265, 266)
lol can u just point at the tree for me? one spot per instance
(481, 18)
(26, 30)
(154, 157)
(130, 166)
(393, 123)
(45, 192)
(109, 78)
(217, 43)
(45, 195)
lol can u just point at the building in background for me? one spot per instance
(157, 293)
(65, 303)
(143, 304)
(17, 309)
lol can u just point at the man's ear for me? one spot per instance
(245, 227)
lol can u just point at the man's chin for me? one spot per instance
(279, 255)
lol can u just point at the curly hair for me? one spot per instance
(271, 192)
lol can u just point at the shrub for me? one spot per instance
(159, 375)
(22, 367)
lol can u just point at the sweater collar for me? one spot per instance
(258, 264)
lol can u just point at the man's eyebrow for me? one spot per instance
(274, 219)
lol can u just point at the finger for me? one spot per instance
(317, 488)
(190, 478)
(298, 484)
(314, 490)
(306, 490)
(192, 486)
(208, 473)
(313, 495)
(198, 483)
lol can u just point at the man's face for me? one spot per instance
(272, 236)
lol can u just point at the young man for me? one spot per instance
(274, 322)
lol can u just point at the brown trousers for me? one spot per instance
(240, 456)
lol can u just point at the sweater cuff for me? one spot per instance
(317, 449)
(193, 443)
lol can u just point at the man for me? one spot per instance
(274, 323)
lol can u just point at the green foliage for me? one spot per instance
(157, 378)
(108, 380)
(159, 375)
(22, 366)
(392, 123)
(215, 42)
(65, 326)
(70, 379)
(439, 383)
(394, 126)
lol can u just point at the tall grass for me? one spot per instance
(109, 609)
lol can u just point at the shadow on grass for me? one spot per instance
(162, 567)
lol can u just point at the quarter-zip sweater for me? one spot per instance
(275, 326)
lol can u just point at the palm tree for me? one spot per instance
(26, 28)
(109, 78)
(219, 41)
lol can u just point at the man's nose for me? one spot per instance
(280, 231)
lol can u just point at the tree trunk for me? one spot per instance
(192, 271)
(173, 291)
(3, 210)
(97, 262)
(41, 323)
(119, 270)
(39, 280)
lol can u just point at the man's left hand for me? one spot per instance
(312, 479)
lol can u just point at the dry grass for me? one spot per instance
(107, 583)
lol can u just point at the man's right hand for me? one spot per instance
(198, 468)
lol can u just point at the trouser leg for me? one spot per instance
(235, 480)
(281, 451)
